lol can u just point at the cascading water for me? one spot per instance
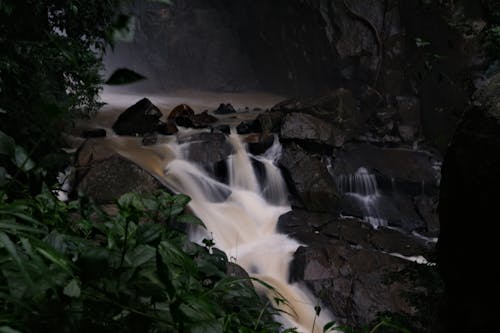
(240, 217)
(362, 188)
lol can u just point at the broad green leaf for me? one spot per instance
(141, 255)
(72, 289)
(124, 76)
(8, 329)
(178, 204)
(7, 144)
(10, 225)
(53, 256)
(11, 249)
(329, 326)
(189, 219)
(22, 160)
(3, 176)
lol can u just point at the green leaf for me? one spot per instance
(179, 203)
(7, 144)
(22, 160)
(11, 226)
(72, 289)
(141, 255)
(124, 76)
(8, 329)
(189, 219)
(3, 176)
(329, 326)
(11, 249)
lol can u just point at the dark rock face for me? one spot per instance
(245, 127)
(302, 225)
(350, 280)
(139, 119)
(301, 126)
(467, 211)
(308, 179)
(105, 176)
(407, 183)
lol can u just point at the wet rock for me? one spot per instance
(403, 168)
(204, 119)
(427, 208)
(184, 121)
(468, 213)
(245, 127)
(142, 117)
(407, 133)
(168, 128)
(269, 122)
(207, 148)
(149, 139)
(308, 179)
(301, 126)
(259, 143)
(182, 110)
(104, 175)
(94, 133)
(225, 109)
(351, 282)
(225, 129)
(303, 225)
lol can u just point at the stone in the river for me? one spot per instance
(225, 109)
(149, 139)
(352, 282)
(259, 143)
(105, 176)
(245, 127)
(168, 128)
(302, 126)
(181, 110)
(225, 129)
(142, 117)
(308, 179)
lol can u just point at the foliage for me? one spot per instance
(50, 57)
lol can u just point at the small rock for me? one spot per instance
(149, 139)
(225, 129)
(245, 127)
(225, 109)
(141, 118)
(168, 128)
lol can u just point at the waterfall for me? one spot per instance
(241, 218)
(361, 187)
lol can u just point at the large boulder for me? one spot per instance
(317, 229)
(302, 126)
(141, 118)
(308, 180)
(104, 175)
(352, 282)
(468, 215)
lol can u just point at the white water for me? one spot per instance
(240, 217)
(362, 188)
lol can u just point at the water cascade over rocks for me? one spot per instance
(361, 187)
(240, 215)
